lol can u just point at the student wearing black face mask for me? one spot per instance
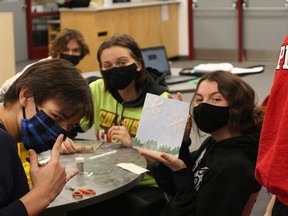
(119, 96)
(218, 178)
(118, 101)
(69, 44)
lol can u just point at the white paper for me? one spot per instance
(162, 124)
(251, 70)
(132, 168)
(212, 67)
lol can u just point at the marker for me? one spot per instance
(104, 154)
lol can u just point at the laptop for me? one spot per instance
(156, 57)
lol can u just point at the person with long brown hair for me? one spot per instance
(218, 178)
(118, 102)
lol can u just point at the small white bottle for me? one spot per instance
(80, 164)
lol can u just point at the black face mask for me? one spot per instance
(210, 118)
(120, 77)
(71, 58)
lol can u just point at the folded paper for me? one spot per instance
(132, 168)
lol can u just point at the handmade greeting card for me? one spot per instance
(162, 124)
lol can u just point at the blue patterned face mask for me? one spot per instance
(40, 132)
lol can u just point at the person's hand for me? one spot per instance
(50, 178)
(150, 156)
(69, 147)
(179, 96)
(170, 161)
(120, 133)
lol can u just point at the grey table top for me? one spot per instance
(101, 174)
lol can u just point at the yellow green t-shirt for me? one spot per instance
(108, 112)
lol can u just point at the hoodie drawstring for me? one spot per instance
(121, 116)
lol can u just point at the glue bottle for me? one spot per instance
(80, 164)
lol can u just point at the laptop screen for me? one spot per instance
(156, 57)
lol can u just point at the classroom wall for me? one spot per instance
(183, 29)
(215, 31)
(265, 25)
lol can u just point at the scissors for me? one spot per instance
(79, 192)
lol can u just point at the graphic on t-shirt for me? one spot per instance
(108, 119)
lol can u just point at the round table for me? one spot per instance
(101, 174)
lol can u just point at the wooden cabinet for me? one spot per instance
(150, 24)
(53, 29)
(7, 56)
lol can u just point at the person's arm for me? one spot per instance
(184, 153)
(270, 205)
(162, 166)
(163, 176)
(16, 208)
(185, 200)
(48, 181)
(13, 181)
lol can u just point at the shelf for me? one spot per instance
(53, 29)
(42, 14)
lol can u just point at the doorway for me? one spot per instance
(38, 15)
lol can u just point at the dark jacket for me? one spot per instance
(13, 180)
(218, 184)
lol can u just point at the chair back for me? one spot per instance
(249, 205)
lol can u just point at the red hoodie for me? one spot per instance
(272, 162)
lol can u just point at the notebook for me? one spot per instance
(156, 57)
